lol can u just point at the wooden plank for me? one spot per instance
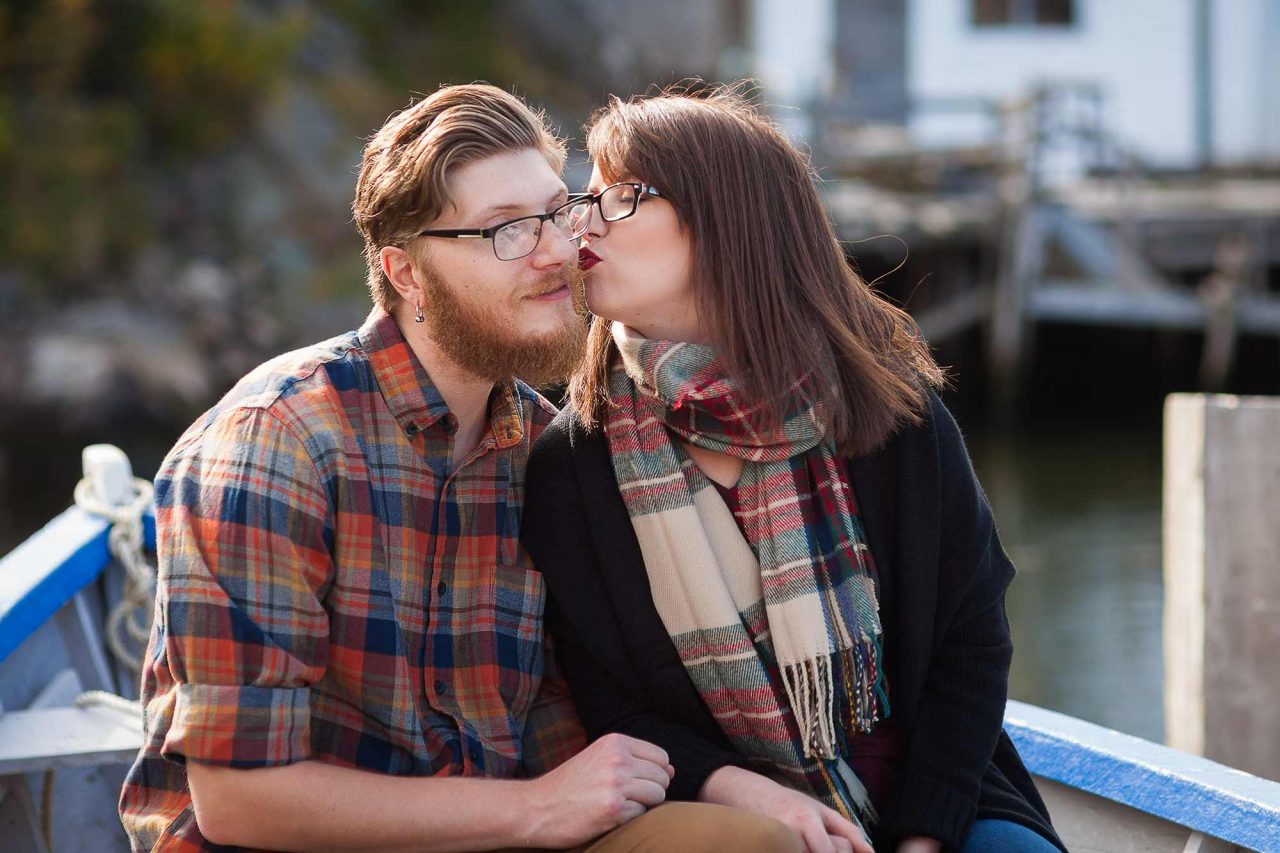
(1198, 842)
(67, 737)
(46, 572)
(81, 631)
(1091, 824)
(19, 820)
(1175, 786)
(941, 322)
(1183, 547)
(1105, 304)
(1103, 253)
(1221, 531)
(60, 692)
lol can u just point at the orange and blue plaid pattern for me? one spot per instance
(333, 587)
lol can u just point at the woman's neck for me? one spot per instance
(718, 467)
(682, 328)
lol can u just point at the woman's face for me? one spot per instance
(644, 275)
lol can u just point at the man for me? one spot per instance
(348, 648)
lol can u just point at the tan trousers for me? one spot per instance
(695, 828)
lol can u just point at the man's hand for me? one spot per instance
(920, 844)
(822, 829)
(612, 781)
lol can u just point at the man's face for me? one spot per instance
(496, 318)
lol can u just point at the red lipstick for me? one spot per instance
(587, 259)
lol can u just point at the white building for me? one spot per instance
(1183, 82)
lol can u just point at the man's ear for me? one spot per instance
(397, 266)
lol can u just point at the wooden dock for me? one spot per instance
(1121, 245)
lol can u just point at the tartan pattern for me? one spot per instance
(777, 623)
(333, 588)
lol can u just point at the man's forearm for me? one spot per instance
(315, 806)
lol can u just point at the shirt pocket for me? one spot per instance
(519, 597)
(496, 645)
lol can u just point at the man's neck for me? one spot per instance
(466, 395)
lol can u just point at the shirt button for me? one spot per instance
(440, 687)
(411, 430)
(477, 754)
(440, 588)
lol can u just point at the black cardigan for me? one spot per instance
(942, 579)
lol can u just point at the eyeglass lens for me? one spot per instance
(517, 239)
(616, 202)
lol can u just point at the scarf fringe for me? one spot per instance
(855, 793)
(811, 690)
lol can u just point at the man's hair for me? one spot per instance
(773, 287)
(404, 172)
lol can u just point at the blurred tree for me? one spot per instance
(104, 103)
(133, 126)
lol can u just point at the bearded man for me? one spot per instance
(348, 648)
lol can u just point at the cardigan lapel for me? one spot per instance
(898, 495)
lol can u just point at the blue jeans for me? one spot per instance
(1003, 836)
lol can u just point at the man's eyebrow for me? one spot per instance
(512, 207)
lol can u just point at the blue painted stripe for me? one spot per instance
(45, 572)
(1185, 789)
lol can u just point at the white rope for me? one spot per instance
(130, 619)
(101, 698)
(131, 616)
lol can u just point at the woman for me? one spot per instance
(758, 524)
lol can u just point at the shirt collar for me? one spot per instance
(413, 398)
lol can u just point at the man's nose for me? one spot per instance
(555, 247)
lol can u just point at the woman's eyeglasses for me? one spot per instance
(617, 201)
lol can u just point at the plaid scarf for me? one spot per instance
(779, 630)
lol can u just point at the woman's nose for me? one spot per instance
(596, 226)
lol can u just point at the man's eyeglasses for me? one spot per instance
(519, 237)
(617, 201)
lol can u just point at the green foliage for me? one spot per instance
(123, 122)
(103, 100)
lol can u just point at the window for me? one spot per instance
(1024, 13)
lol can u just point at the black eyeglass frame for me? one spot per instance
(488, 233)
(641, 191)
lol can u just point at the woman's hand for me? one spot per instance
(920, 844)
(822, 829)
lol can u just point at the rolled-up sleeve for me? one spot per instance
(244, 531)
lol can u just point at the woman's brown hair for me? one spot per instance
(773, 288)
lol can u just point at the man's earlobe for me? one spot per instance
(398, 268)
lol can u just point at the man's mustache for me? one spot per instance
(570, 277)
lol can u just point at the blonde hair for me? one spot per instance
(403, 183)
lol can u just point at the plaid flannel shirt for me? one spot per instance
(333, 588)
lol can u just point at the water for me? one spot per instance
(1078, 511)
